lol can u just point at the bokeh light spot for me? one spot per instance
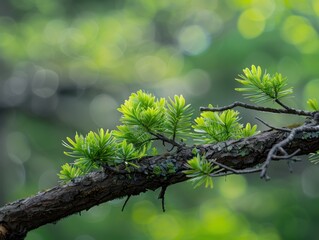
(239, 3)
(18, 85)
(255, 203)
(267, 7)
(233, 187)
(251, 23)
(72, 41)
(82, 75)
(143, 212)
(102, 110)
(151, 68)
(164, 227)
(193, 39)
(298, 31)
(315, 6)
(88, 27)
(197, 82)
(45, 83)
(53, 31)
(310, 182)
(208, 20)
(18, 147)
(14, 90)
(218, 221)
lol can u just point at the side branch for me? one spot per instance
(258, 108)
(233, 157)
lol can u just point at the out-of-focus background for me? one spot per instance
(66, 66)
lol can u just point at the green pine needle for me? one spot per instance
(143, 110)
(92, 150)
(178, 118)
(217, 127)
(313, 104)
(69, 172)
(261, 87)
(314, 157)
(199, 170)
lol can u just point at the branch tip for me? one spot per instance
(126, 201)
(162, 196)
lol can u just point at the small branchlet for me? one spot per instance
(290, 111)
(277, 147)
(162, 196)
(126, 201)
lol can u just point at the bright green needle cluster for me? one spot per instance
(178, 118)
(199, 171)
(146, 118)
(69, 172)
(95, 150)
(313, 104)
(217, 127)
(260, 87)
(314, 157)
(92, 150)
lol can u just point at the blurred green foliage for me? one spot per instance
(66, 65)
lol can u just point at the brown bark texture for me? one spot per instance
(20, 217)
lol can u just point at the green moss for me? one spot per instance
(170, 168)
(310, 135)
(157, 170)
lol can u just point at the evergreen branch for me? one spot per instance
(258, 108)
(261, 87)
(242, 156)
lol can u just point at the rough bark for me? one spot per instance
(20, 217)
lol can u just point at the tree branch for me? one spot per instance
(235, 157)
(285, 110)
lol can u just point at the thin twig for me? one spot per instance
(282, 104)
(271, 127)
(162, 196)
(276, 157)
(278, 146)
(235, 171)
(160, 136)
(126, 200)
(166, 139)
(219, 170)
(283, 151)
(258, 108)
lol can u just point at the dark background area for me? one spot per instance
(66, 66)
